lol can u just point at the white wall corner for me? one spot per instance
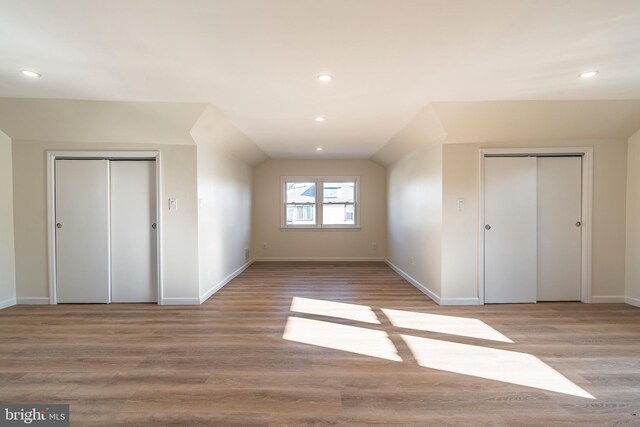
(32, 300)
(215, 288)
(214, 128)
(608, 299)
(632, 301)
(422, 288)
(8, 303)
(425, 128)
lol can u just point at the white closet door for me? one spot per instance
(510, 229)
(82, 231)
(133, 236)
(559, 232)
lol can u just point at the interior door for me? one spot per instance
(510, 229)
(82, 231)
(559, 228)
(133, 231)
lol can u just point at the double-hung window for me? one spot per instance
(320, 202)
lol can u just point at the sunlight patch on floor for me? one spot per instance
(490, 363)
(452, 325)
(353, 339)
(341, 310)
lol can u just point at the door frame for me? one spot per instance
(51, 157)
(587, 207)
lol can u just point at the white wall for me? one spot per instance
(201, 249)
(632, 277)
(7, 249)
(225, 156)
(414, 188)
(464, 128)
(325, 243)
(460, 240)
(179, 229)
(460, 229)
(224, 216)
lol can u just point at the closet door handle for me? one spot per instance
(578, 224)
(487, 227)
(58, 225)
(154, 225)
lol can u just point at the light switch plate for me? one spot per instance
(173, 204)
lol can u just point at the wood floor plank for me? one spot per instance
(232, 361)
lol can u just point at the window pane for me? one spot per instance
(300, 192)
(338, 192)
(338, 214)
(301, 214)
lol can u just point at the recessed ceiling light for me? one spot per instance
(319, 148)
(29, 73)
(588, 74)
(325, 77)
(319, 119)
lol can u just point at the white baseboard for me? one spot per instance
(8, 303)
(632, 301)
(180, 301)
(321, 259)
(608, 299)
(32, 300)
(460, 301)
(422, 288)
(216, 288)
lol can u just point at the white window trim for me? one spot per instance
(319, 196)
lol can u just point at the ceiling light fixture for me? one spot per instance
(29, 73)
(319, 148)
(588, 74)
(325, 77)
(319, 119)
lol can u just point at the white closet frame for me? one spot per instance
(51, 205)
(587, 208)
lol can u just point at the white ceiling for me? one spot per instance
(257, 61)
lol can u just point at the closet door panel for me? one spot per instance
(559, 228)
(133, 232)
(510, 229)
(82, 231)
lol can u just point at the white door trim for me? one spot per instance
(587, 207)
(51, 200)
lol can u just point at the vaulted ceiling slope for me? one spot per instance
(538, 120)
(257, 60)
(514, 121)
(181, 123)
(65, 120)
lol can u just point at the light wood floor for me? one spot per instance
(226, 362)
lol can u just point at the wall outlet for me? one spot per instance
(247, 254)
(374, 246)
(413, 261)
(264, 246)
(460, 205)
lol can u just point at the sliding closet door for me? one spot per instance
(559, 228)
(510, 229)
(133, 231)
(82, 231)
